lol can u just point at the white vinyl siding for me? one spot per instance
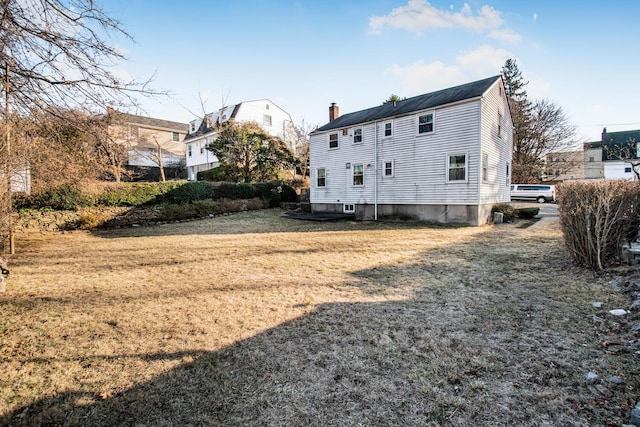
(496, 133)
(420, 172)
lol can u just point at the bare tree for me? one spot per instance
(301, 146)
(56, 53)
(628, 152)
(539, 127)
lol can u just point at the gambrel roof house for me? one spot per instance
(444, 156)
(273, 119)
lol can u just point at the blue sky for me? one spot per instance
(304, 55)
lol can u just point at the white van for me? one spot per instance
(538, 192)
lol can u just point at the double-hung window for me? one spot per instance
(388, 168)
(175, 136)
(456, 167)
(388, 129)
(333, 140)
(425, 123)
(357, 135)
(321, 177)
(266, 120)
(500, 120)
(485, 167)
(358, 174)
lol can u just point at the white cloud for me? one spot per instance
(421, 77)
(418, 16)
(505, 35)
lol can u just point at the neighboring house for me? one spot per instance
(593, 166)
(150, 142)
(611, 157)
(565, 166)
(273, 119)
(444, 156)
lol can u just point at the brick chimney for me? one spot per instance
(333, 112)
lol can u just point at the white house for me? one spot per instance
(444, 156)
(273, 119)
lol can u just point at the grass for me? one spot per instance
(255, 319)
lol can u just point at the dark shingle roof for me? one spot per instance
(620, 143)
(410, 105)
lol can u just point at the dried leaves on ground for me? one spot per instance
(256, 319)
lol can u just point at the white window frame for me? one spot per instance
(384, 129)
(175, 136)
(267, 120)
(189, 150)
(466, 167)
(360, 132)
(485, 167)
(355, 166)
(500, 124)
(384, 169)
(337, 141)
(324, 185)
(432, 122)
(349, 208)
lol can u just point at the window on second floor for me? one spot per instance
(425, 123)
(387, 129)
(175, 136)
(266, 120)
(333, 140)
(189, 151)
(500, 125)
(357, 135)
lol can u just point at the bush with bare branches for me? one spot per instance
(597, 218)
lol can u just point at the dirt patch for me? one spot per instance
(256, 319)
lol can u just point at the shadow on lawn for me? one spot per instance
(342, 364)
(450, 355)
(388, 364)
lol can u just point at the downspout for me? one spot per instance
(375, 172)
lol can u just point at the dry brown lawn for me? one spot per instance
(256, 319)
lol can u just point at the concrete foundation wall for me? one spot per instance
(462, 214)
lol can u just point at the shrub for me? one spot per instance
(288, 194)
(234, 191)
(527, 213)
(64, 197)
(508, 212)
(137, 194)
(269, 192)
(596, 218)
(218, 174)
(188, 192)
